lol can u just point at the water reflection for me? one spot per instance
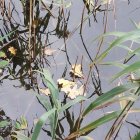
(5, 130)
(28, 48)
(27, 40)
(62, 23)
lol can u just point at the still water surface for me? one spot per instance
(17, 101)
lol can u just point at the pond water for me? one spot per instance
(60, 32)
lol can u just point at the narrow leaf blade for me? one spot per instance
(107, 96)
(40, 123)
(95, 124)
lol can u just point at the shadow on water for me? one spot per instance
(37, 29)
(24, 48)
(5, 130)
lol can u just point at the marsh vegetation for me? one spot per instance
(74, 59)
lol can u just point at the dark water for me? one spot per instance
(16, 95)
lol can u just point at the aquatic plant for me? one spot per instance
(55, 108)
(30, 53)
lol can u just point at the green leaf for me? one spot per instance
(17, 125)
(55, 98)
(122, 37)
(3, 63)
(72, 102)
(48, 77)
(100, 121)
(2, 54)
(24, 123)
(3, 37)
(95, 124)
(133, 67)
(130, 51)
(107, 96)
(116, 34)
(1, 138)
(43, 100)
(4, 123)
(41, 122)
(136, 137)
(120, 99)
(51, 85)
(136, 52)
(117, 64)
(135, 24)
(46, 103)
(20, 136)
(126, 48)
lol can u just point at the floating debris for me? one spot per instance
(12, 50)
(45, 91)
(48, 51)
(71, 88)
(76, 71)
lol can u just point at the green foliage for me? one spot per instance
(132, 69)
(55, 108)
(20, 136)
(3, 63)
(53, 111)
(122, 37)
(95, 124)
(135, 66)
(40, 123)
(112, 95)
(108, 96)
(136, 137)
(116, 64)
(71, 103)
(22, 124)
(4, 123)
(2, 54)
(1, 138)
(7, 35)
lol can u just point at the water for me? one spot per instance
(17, 101)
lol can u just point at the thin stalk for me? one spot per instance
(121, 117)
(105, 28)
(30, 27)
(30, 37)
(65, 45)
(80, 118)
(81, 27)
